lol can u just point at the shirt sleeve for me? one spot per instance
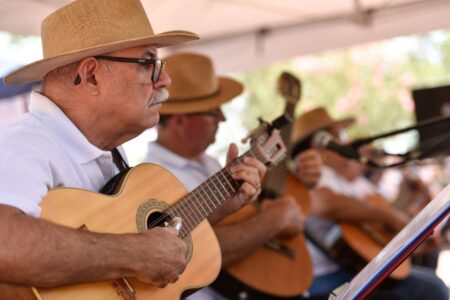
(25, 175)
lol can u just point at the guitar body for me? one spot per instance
(146, 188)
(354, 245)
(367, 240)
(269, 271)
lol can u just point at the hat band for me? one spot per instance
(195, 98)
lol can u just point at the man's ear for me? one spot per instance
(88, 72)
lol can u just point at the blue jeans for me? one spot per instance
(422, 284)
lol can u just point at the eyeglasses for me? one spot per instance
(158, 65)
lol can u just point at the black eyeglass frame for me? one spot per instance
(158, 65)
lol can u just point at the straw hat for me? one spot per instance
(91, 27)
(195, 86)
(315, 120)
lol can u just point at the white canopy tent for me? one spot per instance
(243, 34)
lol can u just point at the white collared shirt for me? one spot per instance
(44, 150)
(191, 173)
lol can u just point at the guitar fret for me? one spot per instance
(233, 183)
(188, 221)
(207, 201)
(210, 186)
(176, 212)
(225, 192)
(194, 202)
(220, 188)
(199, 190)
(222, 172)
(189, 209)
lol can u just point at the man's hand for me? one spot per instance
(307, 167)
(249, 172)
(163, 256)
(287, 215)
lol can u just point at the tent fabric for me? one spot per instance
(245, 34)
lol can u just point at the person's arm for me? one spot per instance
(38, 253)
(277, 217)
(328, 204)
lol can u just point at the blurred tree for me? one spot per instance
(372, 82)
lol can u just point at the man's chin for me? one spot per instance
(153, 120)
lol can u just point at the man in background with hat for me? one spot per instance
(103, 84)
(189, 123)
(341, 195)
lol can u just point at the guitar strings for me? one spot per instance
(190, 196)
(182, 201)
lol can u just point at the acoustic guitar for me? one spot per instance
(354, 245)
(149, 196)
(282, 267)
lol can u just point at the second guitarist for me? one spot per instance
(342, 195)
(189, 122)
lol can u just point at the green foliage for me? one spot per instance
(372, 82)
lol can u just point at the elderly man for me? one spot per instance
(103, 84)
(341, 196)
(189, 123)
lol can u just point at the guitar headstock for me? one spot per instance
(289, 87)
(267, 142)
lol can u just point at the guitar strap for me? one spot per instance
(118, 160)
(111, 186)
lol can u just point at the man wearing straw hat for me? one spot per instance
(189, 123)
(340, 196)
(103, 84)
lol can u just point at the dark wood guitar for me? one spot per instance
(283, 267)
(149, 196)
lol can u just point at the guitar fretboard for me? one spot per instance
(208, 196)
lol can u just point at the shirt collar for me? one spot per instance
(162, 154)
(72, 139)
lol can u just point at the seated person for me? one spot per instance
(340, 196)
(189, 123)
(103, 84)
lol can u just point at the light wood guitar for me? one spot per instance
(150, 196)
(282, 267)
(353, 245)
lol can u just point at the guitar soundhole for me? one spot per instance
(151, 214)
(157, 218)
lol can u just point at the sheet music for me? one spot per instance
(436, 210)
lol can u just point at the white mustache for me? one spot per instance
(158, 97)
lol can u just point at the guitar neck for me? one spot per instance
(276, 177)
(208, 196)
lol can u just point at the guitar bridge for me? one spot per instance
(277, 246)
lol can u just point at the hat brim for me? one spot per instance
(340, 124)
(38, 69)
(228, 89)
